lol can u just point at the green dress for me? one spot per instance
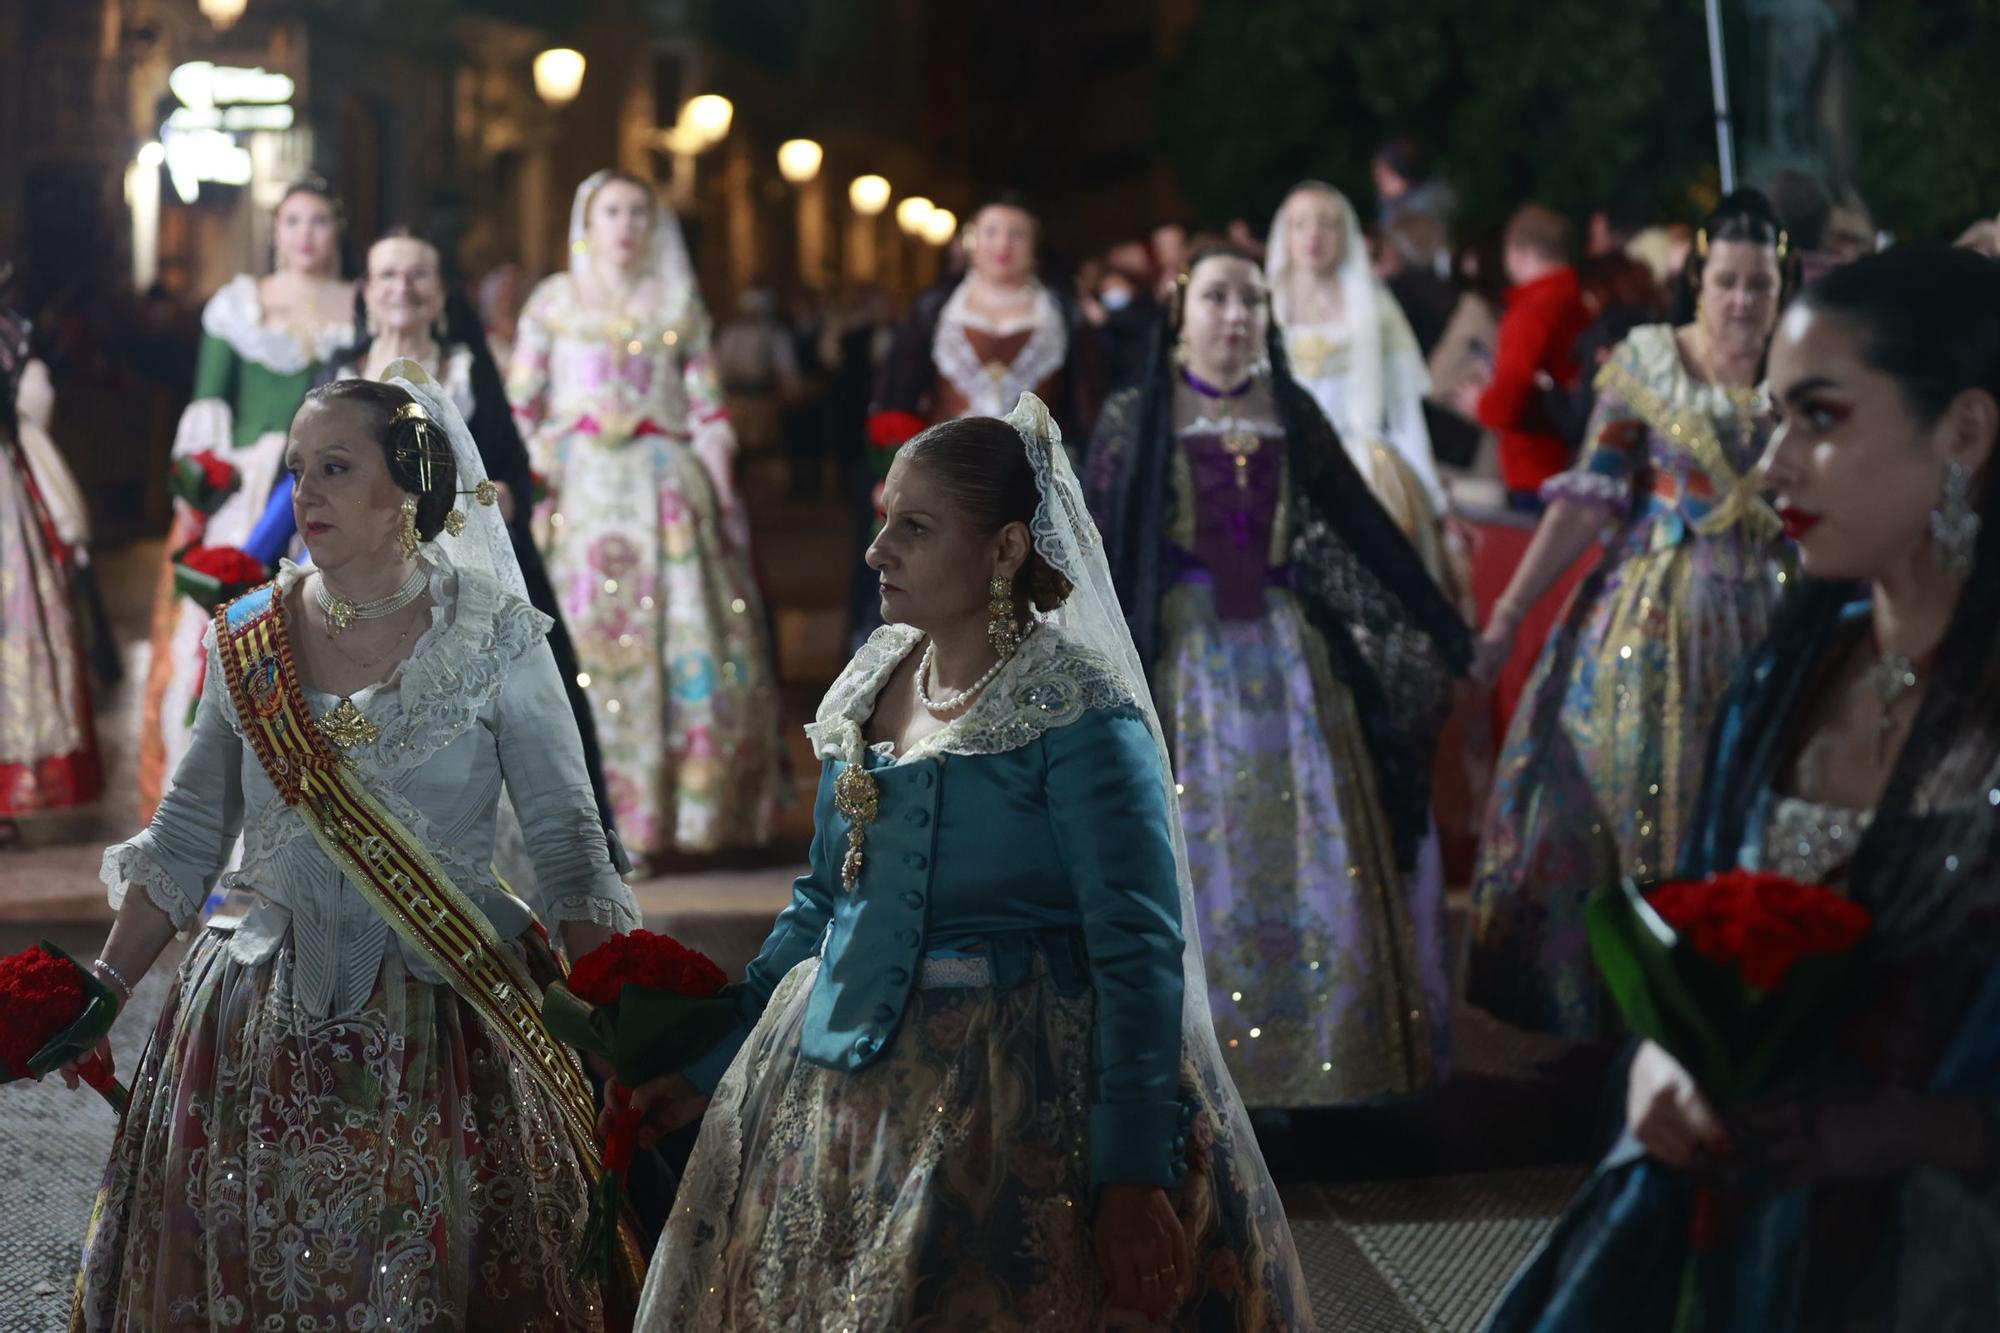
(249, 381)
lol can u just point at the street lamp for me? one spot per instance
(799, 159)
(223, 13)
(707, 118)
(559, 76)
(941, 226)
(913, 213)
(869, 195)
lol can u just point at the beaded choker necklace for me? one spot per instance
(1207, 390)
(341, 613)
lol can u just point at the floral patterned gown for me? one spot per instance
(1603, 760)
(323, 1135)
(623, 417)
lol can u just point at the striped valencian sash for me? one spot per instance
(380, 857)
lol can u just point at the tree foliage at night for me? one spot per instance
(1573, 102)
(1927, 154)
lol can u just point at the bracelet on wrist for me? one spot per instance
(106, 972)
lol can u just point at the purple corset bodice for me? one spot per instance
(1235, 494)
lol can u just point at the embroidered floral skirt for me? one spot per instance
(1603, 764)
(946, 1185)
(669, 628)
(1326, 964)
(48, 743)
(389, 1169)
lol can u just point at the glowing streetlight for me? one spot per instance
(223, 13)
(913, 213)
(869, 195)
(941, 226)
(799, 159)
(708, 117)
(559, 76)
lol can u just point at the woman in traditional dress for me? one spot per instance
(974, 1064)
(1603, 758)
(263, 340)
(616, 397)
(1860, 749)
(1352, 349)
(48, 741)
(974, 345)
(349, 1114)
(405, 311)
(1302, 661)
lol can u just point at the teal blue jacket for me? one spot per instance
(1059, 845)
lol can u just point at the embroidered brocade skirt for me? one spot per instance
(669, 629)
(48, 742)
(943, 1186)
(388, 1169)
(1326, 964)
(1603, 764)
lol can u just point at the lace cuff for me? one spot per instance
(126, 865)
(1587, 487)
(599, 910)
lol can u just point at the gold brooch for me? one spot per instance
(857, 797)
(486, 492)
(347, 726)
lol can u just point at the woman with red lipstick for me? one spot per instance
(263, 341)
(1859, 748)
(615, 394)
(1603, 759)
(1302, 660)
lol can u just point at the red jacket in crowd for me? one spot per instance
(1536, 334)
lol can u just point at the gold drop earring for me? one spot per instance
(1002, 630)
(407, 538)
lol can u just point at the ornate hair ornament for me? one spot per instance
(1701, 241)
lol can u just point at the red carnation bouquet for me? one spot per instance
(647, 1005)
(53, 1011)
(1726, 974)
(888, 430)
(204, 480)
(212, 575)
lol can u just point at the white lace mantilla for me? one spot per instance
(1051, 682)
(991, 391)
(452, 371)
(236, 315)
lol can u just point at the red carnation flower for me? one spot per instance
(642, 958)
(216, 470)
(1760, 924)
(50, 1008)
(887, 430)
(229, 565)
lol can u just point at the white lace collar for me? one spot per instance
(236, 315)
(1051, 682)
(1657, 358)
(991, 391)
(477, 633)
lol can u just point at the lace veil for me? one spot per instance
(667, 260)
(1065, 536)
(1367, 308)
(482, 545)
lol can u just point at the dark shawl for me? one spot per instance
(1394, 640)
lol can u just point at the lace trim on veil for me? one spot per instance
(1051, 682)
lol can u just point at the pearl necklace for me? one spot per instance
(940, 707)
(341, 613)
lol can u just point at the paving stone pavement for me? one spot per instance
(1405, 1256)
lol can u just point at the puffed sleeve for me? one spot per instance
(177, 858)
(1108, 804)
(542, 762)
(1614, 443)
(208, 423)
(791, 941)
(528, 373)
